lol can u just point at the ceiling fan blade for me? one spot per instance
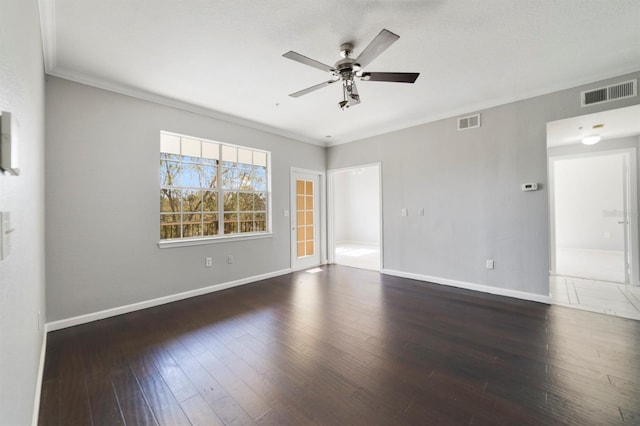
(312, 88)
(307, 61)
(394, 77)
(378, 45)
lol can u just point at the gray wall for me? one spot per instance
(357, 205)
(102, 202)
(468, 182)
(22, 273)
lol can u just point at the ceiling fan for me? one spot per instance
(348, 69)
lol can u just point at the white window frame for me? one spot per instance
(220, 237)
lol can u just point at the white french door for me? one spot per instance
(306, 229)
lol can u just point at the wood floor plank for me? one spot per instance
(345, 346)
(199, 412)
(133, 405)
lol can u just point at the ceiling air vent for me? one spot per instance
(610, 93)
(469, 122)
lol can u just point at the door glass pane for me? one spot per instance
(304, 215)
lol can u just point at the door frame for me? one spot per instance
(322, 197)
(331, 209)
(630, 215)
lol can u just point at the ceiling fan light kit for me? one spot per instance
(348, 69)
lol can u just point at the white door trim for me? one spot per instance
(632, 208)
(331, 212)
(322, 196)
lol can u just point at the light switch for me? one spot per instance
(404, 212)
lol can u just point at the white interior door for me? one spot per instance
(305, 220)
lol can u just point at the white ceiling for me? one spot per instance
(616, 123)
(224, 57)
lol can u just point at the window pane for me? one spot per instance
(191, 148)
(169, 226)
(210, 201)
(300, 234)
(169, 144)
(230, 223)
(190, 175)
(309, 248)
(245, 202)
(309, 204)
(229, 155)
(209, 176)
(229, 178)
(300, 187)
(300, 218)
(309, 190)
(309, 232)
(230, 201)
(169, 201)
(246, 222)
(191, 200)
(260, 202)
(260, 222)
(191, 225)
(260, 179)
(245, 180)
(210, 225)
(300, 249)
(260, 158)
(210, 151)
(170, 173)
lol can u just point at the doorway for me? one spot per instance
(593, 193)
(307, 227)
(355, 219)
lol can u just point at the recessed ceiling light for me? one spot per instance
(328, 136)
(597, 126)
(591, 140)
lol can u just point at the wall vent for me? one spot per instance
(610, 93)
(469, 122)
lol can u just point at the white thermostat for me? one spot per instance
(529, 186)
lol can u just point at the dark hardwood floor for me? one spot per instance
(345, 346)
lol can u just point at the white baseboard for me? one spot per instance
(36, 399)
(83, 319)
(471, 286)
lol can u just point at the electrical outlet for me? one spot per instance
(489, 264)
(421, 212)
(208, 262)
(230, 259)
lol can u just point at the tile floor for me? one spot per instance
(602, 265)
(363, 256)
(620, 300)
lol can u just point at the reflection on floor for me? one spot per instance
(604, 265)
(620, 300)
(358, 255)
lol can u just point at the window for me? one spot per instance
(210, 189)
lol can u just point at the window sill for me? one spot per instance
(214, 240)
